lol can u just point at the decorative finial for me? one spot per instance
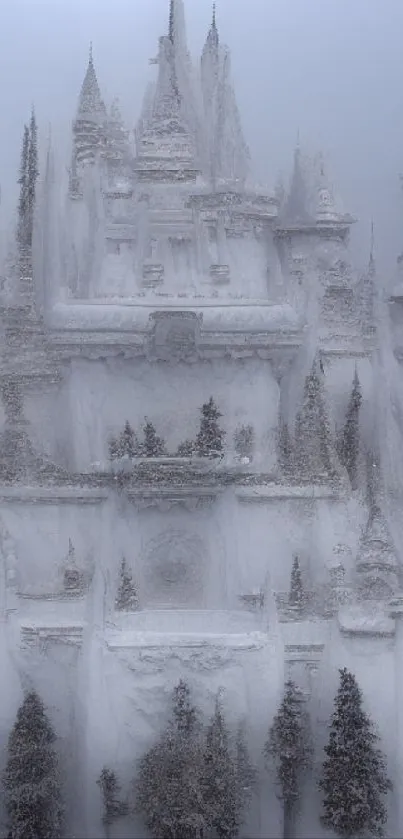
(171, 30)
(213, 23)
(371, 251)
(90, 61)
(298, 140)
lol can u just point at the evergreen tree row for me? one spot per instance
(197, 782)
(310, 452)
(209, 441)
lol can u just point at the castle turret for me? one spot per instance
(377, 565)
(227, 156)
(88, 127)
(166, 145)
(296, 210)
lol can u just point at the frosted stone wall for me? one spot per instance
(102, 395)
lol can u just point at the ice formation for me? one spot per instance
(164, 278)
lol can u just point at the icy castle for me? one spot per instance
(170, 281)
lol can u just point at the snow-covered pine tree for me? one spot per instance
(354, 781)
(126, 597)
(289, 744)
(222, 795)
(210, 439)
(312, 429)
(245, 772)
(296, 595)
(33, 173)
(113, 806)
(32, 788)
(285, 447)
(169, 790)
(153, 445)
(128, 442)
(349, 446)
(23, 197)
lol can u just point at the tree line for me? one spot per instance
(197, 781)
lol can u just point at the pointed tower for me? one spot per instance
(297, 211)
(367, 291)
(377, 566)
(88, 127)
(226, 155)
(166, 148)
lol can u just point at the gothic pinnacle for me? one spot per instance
(171, 31)
(212, 37)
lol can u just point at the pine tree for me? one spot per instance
(354, 781)
(169, 783)
(113, 806)
(349, 447)
(210, 438)
(33, 173)
(126, 598)
(289, 744)
(222, 795)
(22, 236)
(125, 445)
(285, 448)
(185, 715)
(312, 430)
(129, 444)
(153, 445)
(31, 781)
(296, 596)
(245, 772)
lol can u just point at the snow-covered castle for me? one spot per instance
(166, 278)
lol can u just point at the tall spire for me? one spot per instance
(90, 104)
(171, 112)
(296, 209)
(212, 40)
(171, 29)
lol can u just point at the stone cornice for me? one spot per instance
(167, 498)
(34, 635)
(52, 495)
(264, 494)
(203, 641)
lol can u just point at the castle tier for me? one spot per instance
(176, 390)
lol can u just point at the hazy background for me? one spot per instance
(331, 68)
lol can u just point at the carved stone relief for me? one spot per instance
(174, 568)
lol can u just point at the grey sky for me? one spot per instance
(332, 68)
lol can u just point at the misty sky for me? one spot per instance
(332, 69)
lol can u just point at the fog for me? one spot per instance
(330, 69)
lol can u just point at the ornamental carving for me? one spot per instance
(175, 564)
